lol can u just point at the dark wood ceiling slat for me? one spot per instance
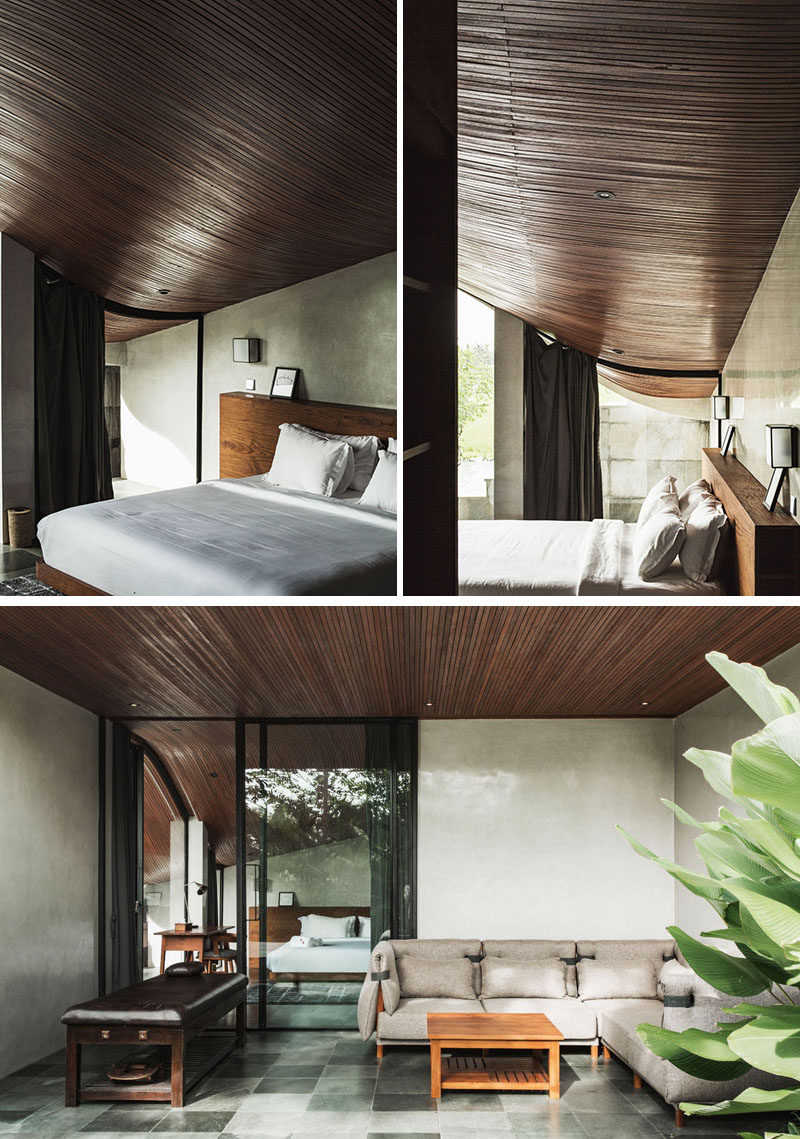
(687, 112)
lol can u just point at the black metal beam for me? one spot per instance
(199, 425)
(241, 851)
(101, 856)
(166, 779)
(148, 313)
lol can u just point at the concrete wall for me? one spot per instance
(340, 329)
(640, 445)
(17, 440)
(764, 364)
(332, 875)
(48, 851)
(509, 339)
(516, 828)
(715, 724)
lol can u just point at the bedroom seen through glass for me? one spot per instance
(330, 863)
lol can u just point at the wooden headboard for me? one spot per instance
(765, 558)
(249, 423)
(283, 922)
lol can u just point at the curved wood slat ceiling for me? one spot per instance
(219, 151)
(120, 328)
(157, 814)
(688, 112)
(683, 387)
(470, 662)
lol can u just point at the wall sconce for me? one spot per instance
(246, 350)
(719, 406)
(781, 454)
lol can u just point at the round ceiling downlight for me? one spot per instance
(605, 195)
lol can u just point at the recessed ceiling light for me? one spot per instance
(645, 703)
(605, 195)
(213, 774)
(133, 705)
(165, 292)
(617, 351)
(428, 703)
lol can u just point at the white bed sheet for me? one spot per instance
(237, 537)
(340, 955)
(539, 558)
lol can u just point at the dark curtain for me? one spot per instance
(562, 432)
(391, 759)
(126, 860)
(73, 464)
(212, 906)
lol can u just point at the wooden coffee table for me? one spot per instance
(521, 1032)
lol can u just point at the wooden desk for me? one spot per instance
(190, 940)
(525, 1032)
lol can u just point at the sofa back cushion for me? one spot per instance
(657, 950)
(506, 977)
(437, 949)
(603, 980)
(536, 950)
(429, 977)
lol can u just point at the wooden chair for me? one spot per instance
(220, 957)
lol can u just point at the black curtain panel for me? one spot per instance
(73, 462)
(212, 906)
(126, 860)
(391, 759)
(562, 477)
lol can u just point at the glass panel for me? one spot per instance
(475, 408)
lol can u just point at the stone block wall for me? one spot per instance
(638, 446)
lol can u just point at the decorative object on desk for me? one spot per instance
(246, 350)
(200, 890)
(284, 383)
(286, 898)
(20, 527)
(134, 1071)
(781, 454)
(726, 442)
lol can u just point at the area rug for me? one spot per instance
(307, 993)
(27, 585)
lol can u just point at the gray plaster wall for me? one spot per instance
(715, 724)
(763, 367)
(517, 830)
(17, 435)
(48, 851)
(336, 874)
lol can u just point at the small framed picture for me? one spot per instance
(286, 898)
(726, 442)
(284, 383)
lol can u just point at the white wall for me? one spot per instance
(764, 363)
(715, 724)
(516, 828)
(340, 329)
(48, 851)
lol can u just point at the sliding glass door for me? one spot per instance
(330, 849)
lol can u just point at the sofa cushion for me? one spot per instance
(430, 978)
(628, 1012)
(438, 949)
(507, 977)
(534, 950)
(598, 980)
(657, 950)
(570, 1016)
(410, 1022)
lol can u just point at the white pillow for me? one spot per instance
(365, 455)
(704, 546)
(382, 489)
(657, 543)
(694, 494)
(320, 925)
(304, 462)
(392, 446)
(662, 496)
(364, 927)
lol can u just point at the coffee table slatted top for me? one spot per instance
(491, 1026)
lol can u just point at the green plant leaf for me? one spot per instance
(768, 700)
(774, 910)
(705, 1055)
(734, 975)
(765, 766)
(770, 1043)
(687, 819)
(726, 855)
(699, 884)
(716, 767)
(766, 837)
(750, 1100)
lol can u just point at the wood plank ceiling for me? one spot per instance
(686, 110)
(218, 151)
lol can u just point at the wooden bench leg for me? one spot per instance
(379, 1051)
(637, 1082)
(436, 1070)
(680, 1118)
(554, 1071)
(606, 1053)
(72, 1093)
(177, 1071)
(595, 1053)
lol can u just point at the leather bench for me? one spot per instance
(167, 1011)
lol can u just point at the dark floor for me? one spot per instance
(310, 1085)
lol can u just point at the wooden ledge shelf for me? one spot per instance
(766, 556)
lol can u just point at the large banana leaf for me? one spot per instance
(765, 766)
(767, 838)
(750, 1100)
(716, 767)
(774, 909)
(734, 975)
(767, 700)
(724, 854)
(771, 1043)
(699, 884)
(705, 1055)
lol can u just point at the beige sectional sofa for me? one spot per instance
(594, 992)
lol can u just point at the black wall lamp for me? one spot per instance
(246, 350)
(781, 454)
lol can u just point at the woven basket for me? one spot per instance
(20, 527)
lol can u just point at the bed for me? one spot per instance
(237, 535)
(345, 958)
(579, 559)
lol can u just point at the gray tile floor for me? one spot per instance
(311, 1085)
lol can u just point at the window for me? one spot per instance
(475, 408)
